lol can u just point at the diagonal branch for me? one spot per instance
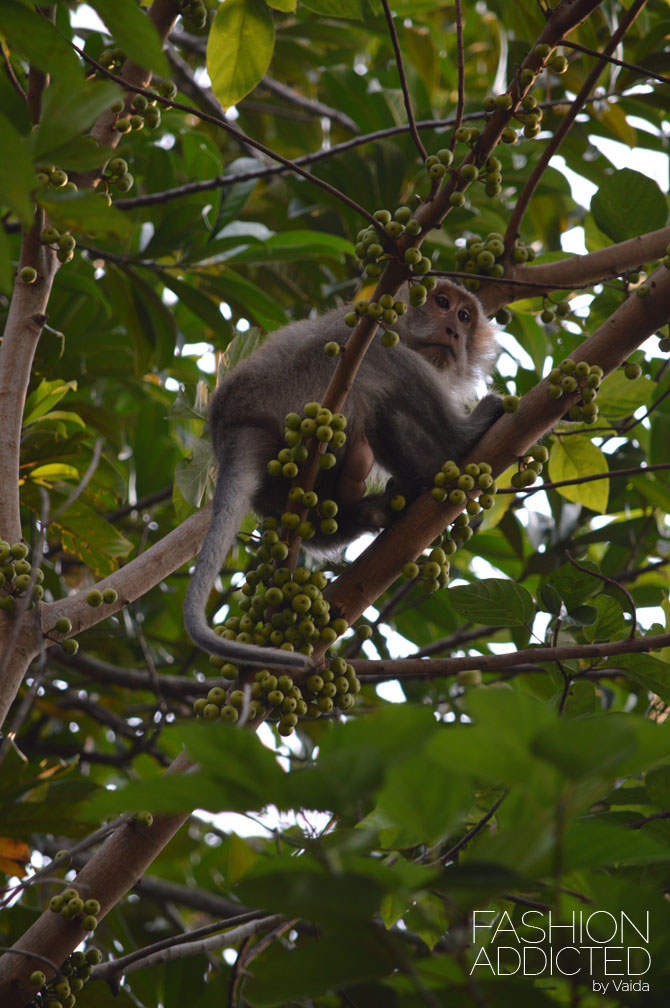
(559, 135)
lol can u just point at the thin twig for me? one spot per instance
(472, 833)
(635, 67)
(633, 471)
(403, 80)
(230, 129)
(219, 181)
(460, 104)
(83, 482)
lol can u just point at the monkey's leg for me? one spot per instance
(355, 468)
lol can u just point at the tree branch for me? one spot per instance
(379, 565)
(437, 668)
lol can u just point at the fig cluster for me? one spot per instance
(437, 164)
(369, 246)
(62, 242)
(577, 376)
(96, 598)
(141, 112)
(453, 485)
(116, 175)
(193, 14)
(62, 989)
(16, 574)
(386, 311)
(317, 422)
(530, 466)
(54, 177)
(71, 906)
(485, 256)
(281, 608)
(431, 569)
(283, 700)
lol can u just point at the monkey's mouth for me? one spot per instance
(439, 354)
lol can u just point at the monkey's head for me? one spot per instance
(451, 332)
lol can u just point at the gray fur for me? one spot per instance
(408, 401)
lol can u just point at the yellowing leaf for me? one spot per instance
(239, 48)
(54, 472)
(573, 457)
(14, 854)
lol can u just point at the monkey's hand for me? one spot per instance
(490, 409)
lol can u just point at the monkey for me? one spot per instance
(406, 413)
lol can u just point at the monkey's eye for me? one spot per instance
(442, 300)
(464, 315)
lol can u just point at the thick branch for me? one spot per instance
(435, 668)
(108, 875)
(578, 270)
(378, 567)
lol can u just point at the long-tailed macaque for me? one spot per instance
(406, 412)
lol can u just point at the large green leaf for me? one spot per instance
(33, 35)
(84, 212)
(44, 398)
(336, 8)
(239, 48)
(494, 601)
(628, 204)
(295, 246)
(573, 457)
(62, 119)
(17, 175)
(133, 32)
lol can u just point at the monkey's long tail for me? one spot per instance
(235, 488)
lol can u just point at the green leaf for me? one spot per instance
(282, 976)
(45, 397)
(205, 307)
(89, 536)
(193, 475)
(629, 204)
(573, 457)
(294, 246)
(657, 786)
(494, 601)
(573, 585)
(17, 174)
(251, 298)
(42, 45)
(610, 624)
(53, 472)
(247, 774)
(619, 396)
(335, 8)
(84, 212)
(239, 48)
(651, 488)
(62, 119)
(133, 32)
(648, 672)
(285, 6)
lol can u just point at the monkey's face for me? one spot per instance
(449, 330)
